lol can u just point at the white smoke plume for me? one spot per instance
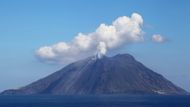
(101, 49)
(124, 30)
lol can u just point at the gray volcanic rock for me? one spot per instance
(120, 74)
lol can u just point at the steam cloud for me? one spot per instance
(124, 30)
(158, 38)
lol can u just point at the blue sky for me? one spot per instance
(27, 25)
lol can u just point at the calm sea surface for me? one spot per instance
(95, 101)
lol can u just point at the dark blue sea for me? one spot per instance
(95, 101)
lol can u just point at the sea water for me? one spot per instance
(95, 101)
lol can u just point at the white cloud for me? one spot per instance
(158, 38)
(124, 30)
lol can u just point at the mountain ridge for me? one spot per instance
(120, 74)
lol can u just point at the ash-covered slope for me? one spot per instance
(120, 74)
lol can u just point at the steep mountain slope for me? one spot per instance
(120, 74)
